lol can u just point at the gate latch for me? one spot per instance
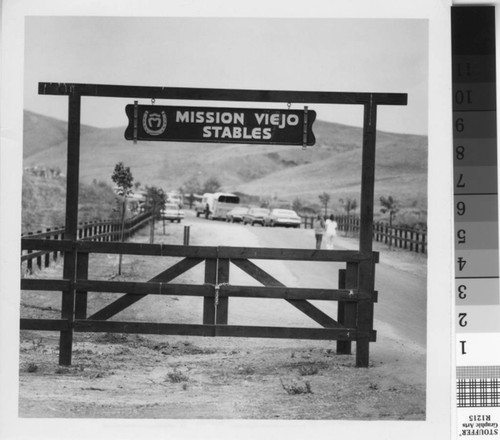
(217, 289)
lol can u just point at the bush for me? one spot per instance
(294, 388)
(177, 376)
(32, 368)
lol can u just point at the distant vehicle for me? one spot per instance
(175, 197)
(255, 215)
(217, 205)
(282, 217)
(236, 214)
(206, 204)
(172, 212)
(222, 204)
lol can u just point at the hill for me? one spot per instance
(333, 165)
(44, 198)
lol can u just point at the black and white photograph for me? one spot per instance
(226, 218)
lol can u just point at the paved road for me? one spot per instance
(400, 312)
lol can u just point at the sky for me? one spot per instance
(351, 55)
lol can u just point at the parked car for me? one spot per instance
(282, 217)
(172, 212)
(255, 215)
(236, 214)
(175, 197)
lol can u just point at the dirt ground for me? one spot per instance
(176, 377)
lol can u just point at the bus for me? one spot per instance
(218, 205)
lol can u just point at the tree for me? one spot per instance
(122, 177)
(349, 205)
(324, 199)
(389, 205)
(211, 185)
(191, 187)
(297, 205)
(155, 201)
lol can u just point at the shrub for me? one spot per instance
(32, 368)
(177, 376)
(294, 388)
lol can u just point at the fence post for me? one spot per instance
(39, 258)
(343, 347)
(223, 304)
(350, 308)
(209, 301)
(54, 256)
(29, 261)
(47, 255)
(82, 273)
(71, 226)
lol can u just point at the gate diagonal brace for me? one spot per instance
(128, 299)
(304, 306)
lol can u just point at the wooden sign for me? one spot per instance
(217, 124)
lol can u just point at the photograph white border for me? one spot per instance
(440, 357)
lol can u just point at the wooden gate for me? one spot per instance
(355, 294)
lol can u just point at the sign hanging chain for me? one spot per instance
(136, 111)
(304, 132)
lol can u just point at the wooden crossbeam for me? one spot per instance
(345, 334)
(44, 324)
(45, 284)
(304, 306)
(191, 93)
(129, 299)
(145, 288)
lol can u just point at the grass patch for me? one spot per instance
(293, 388)
(246, 371)
(308, 370)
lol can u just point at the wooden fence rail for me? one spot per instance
(411, 239)
(100, 230)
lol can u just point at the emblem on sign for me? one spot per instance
(154, 123)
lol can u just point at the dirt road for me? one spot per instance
(192, 377)
(400, 276)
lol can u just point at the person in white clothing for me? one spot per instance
(330, 232)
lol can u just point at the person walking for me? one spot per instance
(330, 232)
(319, 230)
